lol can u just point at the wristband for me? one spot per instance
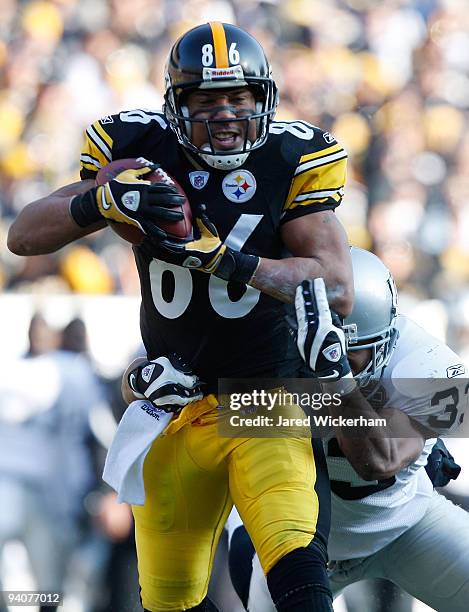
(237, 266)
(84, 208)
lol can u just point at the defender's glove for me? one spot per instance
(207, 253)
(320, 339)
(129, 198)
(166, 382)
(441, 466)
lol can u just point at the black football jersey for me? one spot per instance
(224, 330)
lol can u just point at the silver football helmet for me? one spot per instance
(372, 322)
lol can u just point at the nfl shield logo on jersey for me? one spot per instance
(199, 179)
(239, 186)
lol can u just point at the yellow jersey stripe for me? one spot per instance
(310, 203)
(91, 167)
(104, 135)
(323, 180)
(320, 161)
(95, 142)
(318, 194)
(89, 159)
(321, 153)
(219, 43)
(91, 152)
(336, 198)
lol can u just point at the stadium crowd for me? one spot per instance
(389, 79)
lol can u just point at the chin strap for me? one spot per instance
(225, 162)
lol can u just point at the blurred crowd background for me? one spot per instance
(390, 79)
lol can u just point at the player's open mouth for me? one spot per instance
(227, 139)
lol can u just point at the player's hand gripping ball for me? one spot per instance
(139, 199)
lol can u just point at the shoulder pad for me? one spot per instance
(319, 169)
(106, 138)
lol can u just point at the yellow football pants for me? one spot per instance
(192, 478)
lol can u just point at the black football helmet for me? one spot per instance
(218, 56)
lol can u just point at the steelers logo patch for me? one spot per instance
(239, 186)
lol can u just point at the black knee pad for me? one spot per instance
(299, 581)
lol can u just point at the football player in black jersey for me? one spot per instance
(258, 188)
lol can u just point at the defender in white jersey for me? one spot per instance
(387, 520)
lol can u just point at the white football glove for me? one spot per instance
(320, 339)
(166, 382)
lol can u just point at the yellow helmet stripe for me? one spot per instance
(219, 43)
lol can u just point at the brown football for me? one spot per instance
(175, 229)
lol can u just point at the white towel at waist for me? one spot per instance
(140, 425)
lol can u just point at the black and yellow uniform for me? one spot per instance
(222, 330)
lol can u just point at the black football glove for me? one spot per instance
(207, 253)
(320, 339)
(441, 466)
(129, 198)
(166, 382)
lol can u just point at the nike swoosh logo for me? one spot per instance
(334, 374)
(133, 382)
(104, 204)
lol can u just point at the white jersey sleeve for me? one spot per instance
(428, 382)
